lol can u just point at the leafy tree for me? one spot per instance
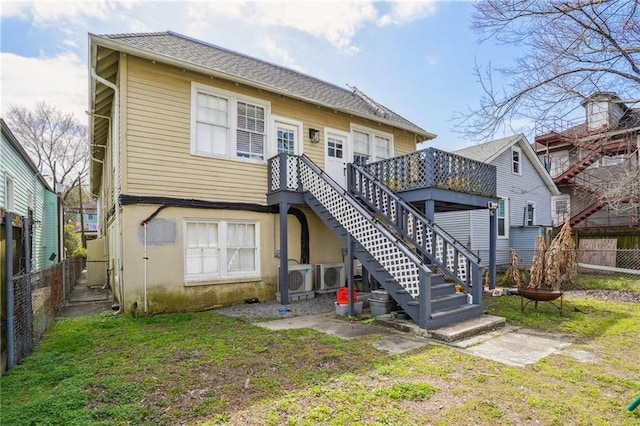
(570, 50)
(56, 142)
(71, 240)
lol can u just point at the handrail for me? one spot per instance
(433, 168)
(410, 223)
(300, 174)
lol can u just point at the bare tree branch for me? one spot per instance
(571, 50)
(56, 142)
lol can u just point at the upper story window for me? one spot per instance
(370, 145)
(224, 124)
(516, 160)
(288, 138)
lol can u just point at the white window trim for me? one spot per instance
(233, 99)
(506, 220)
(9, 193)
(526, 217)
(223, 276)
(554, 199)
(519, 151)
(273, 136)
(372, 134)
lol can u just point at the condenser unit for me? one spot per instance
(330, 276)
(300, 279)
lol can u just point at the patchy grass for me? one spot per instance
(608, 282)
(204, 368)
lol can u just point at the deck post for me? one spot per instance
(493, 235)
(10, 302)
(349, 271)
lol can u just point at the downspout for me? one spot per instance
(115, 154)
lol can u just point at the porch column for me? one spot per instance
(430, 210)
(493, 235)
(284, 255)
(349, 271)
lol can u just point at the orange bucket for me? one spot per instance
(343, 295)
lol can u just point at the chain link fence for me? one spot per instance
(611, 263)
(38, 297)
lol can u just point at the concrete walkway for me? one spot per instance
(85, 300)
(508, 345)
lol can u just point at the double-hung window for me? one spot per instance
(218, 249)
(225, 124)
(502, 216)
(361, 147)
(516, 160)
(530, 219)
(370, 145)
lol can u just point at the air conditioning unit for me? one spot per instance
(300, 279)
(329, 276)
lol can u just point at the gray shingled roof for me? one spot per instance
(176, 47)
(486, 152)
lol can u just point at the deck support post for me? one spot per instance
(493, 235)
(284, 255)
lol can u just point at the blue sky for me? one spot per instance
(415, 57)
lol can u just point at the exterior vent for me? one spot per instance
(330, 276)
(300, 279)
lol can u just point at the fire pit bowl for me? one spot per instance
(539, 295)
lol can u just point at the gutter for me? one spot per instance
(115, 153)
(109, 43)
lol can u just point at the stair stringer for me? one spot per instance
(421, 310)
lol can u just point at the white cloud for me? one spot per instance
(60, 81)
(43, 12)
(335, 22)
(404, 12)
(279, 54)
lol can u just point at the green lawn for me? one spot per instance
(207, 368)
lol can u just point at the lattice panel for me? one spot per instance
(292, 172)
(461, 272)
(434, 168)
(275, 173)
(381, 247)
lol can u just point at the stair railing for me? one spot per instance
(407, 269)
(429, 241)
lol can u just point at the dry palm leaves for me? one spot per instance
(537, 263)
(560, 264)
(512, 274)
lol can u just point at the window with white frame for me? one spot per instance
(9, 201)
(516, 160)
(361, 147)
(216, 249)
(370, 145)
(530, 213)
(502, 216)
(561, 209)
(287, 136)
(227, 125)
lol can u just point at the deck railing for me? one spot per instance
(433, 168)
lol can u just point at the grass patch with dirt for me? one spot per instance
(204, 368)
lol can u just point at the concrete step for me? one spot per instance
(467, 328)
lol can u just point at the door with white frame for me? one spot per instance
(336, 154)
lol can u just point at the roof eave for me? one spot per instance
(109, 43)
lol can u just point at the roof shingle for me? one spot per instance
(236, 66)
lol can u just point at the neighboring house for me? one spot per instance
(89, 219)
(26, 194)
(221, 178)
(588, 159)
(523, 209)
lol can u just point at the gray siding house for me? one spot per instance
(524, 189)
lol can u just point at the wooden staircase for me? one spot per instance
(400, 269)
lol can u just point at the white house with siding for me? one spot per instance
(524, 189)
